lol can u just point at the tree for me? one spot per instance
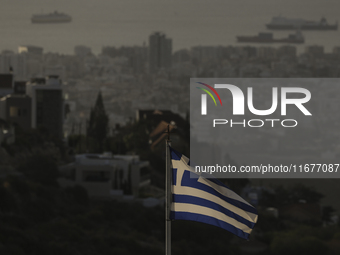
(296, 193)
(136, 137)
(40, 168)
(293, 243)
(98, 123)
(77, 195)
(327, 212)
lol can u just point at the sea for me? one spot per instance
(99, 23)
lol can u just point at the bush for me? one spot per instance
(40, 168)
(295, 244)
(77, 194)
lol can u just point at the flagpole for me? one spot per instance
(167, 196)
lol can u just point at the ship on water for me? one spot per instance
(284, 23)
(54, 17)
(269, 38)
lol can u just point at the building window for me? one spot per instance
(40, 96)
(39, 113)
(96, 176)
(14, 111)
(17, 112)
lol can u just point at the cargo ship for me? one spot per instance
(54, 17)
(268, 38)
(284, 23)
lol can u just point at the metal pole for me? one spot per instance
(168, 196)
(79, 135)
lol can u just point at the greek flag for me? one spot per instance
(207, 200)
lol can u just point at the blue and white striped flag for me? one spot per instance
(208, 200)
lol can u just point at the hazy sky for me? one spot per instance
(97, 23)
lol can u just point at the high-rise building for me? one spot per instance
(6, 84)
(336, 50)
(16, 109)
(32, 62)
(160, 52)
(315, 50)
(82, 51)
(47, 104)
(286, 51)
(31, 49)
(136, 55)
(15, 106)
(14, 63)
(266, 52)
